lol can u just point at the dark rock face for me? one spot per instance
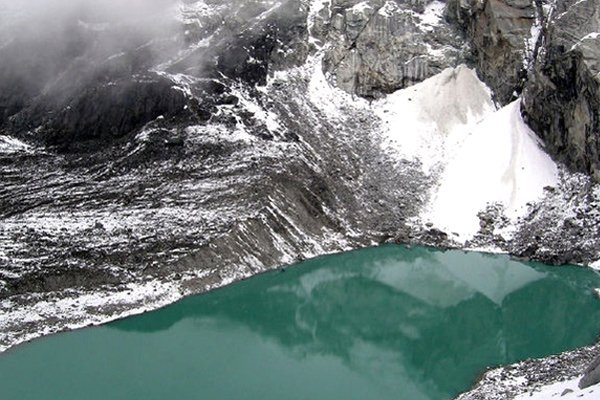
(561, 101)
(25, 74)
(278, 43)
(105, 112)
(498, 31)
(80, 81)
(244, 40)
(100, 84)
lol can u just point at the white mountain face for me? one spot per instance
(479, 155)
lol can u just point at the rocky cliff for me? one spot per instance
(562, 94)
(549, 52)
(500, 35)
(374, 48)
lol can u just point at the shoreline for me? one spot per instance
(495, 383)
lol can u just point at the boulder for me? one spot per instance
(591, 375)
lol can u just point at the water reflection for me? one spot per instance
(415, 321)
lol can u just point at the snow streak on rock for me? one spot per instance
(10, 145)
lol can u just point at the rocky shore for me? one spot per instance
(527, 378)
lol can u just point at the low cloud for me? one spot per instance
(53, 48)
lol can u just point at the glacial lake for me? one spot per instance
(382, 323)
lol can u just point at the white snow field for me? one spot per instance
(566, 390)
(479, 155)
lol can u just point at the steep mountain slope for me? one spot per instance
(244, 175)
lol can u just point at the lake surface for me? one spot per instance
(381, 323)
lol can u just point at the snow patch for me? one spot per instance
(190, 12)
(262, 16)
(530, 43)
(479, 156)
(10, 145)
(565, 390)
(499, 161)
(388, 9)
(593, 35)
(267, 117)
(217, 134)
(313, 13)
(433, 15)
(182, 82)
(589, 36)
(330, 100)
(417, 121)
(361, 7)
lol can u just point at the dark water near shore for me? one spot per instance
(382, 323)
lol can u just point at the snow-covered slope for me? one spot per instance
(422, 122)
(500, 160)
(479, 155)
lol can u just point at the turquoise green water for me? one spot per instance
(383, 323)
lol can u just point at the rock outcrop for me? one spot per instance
(102, 112)
(244, 40)
(561, 101)
(376, 47)
(500, 35)
(591, 375)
